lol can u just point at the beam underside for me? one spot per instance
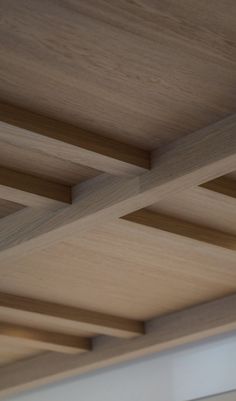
(85, 320)
(42, 339)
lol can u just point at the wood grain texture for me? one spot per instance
(32, 191)
(41, 339)
(191, 161)
(34, 132)
(172, 73)
(84, 320)
(164, 333)
(183, 228)
(201, 206)
(110, 266)
(115, 82)
(42, 165)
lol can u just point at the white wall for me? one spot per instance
(185, 374)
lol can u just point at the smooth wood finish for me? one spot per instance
(7, 208)
(35, 132)
(85, 320)
(162, 333)
(45, 166)
(41, 339)
(172, 73)
(73, 105)
(183, 228)
(10, 353)
(201, 206)
(29, 190)
(121, 269)
(222, 185)
(191, 161)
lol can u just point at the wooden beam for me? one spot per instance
(193, 160)
(42, 339)
(162, 333)
(85, 320)
(31, 131)
(29, 190)
(222, 185)
(184, 228)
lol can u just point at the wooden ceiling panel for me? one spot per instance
(48, 316)
(124, 269)
(93, 95)
(41, 322)
(142, 72)
(10, 353)
(42, 165)
(7, 208)
(43, 339)
(193, 160)
(202, 207)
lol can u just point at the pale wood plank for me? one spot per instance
(201, 206)
(36, 132)
(48, 166)
(169, 271)
(183, 228)
(30, 190)
(164, 80)
(85, 320)
(193, 160)
(94, 86)
(162, 333)
(42, 339)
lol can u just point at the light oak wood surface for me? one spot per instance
(41, 339)
(32, 191)
(86, 321)
(44, 166)
(31, 131)
(117, 181)
(10, 353)
(182, 227)
(160, 182)
(141, 72)
(191, 161)
(163, 333)
(199, 205)
(108, 268)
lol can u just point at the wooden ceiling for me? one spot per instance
(117, 182)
